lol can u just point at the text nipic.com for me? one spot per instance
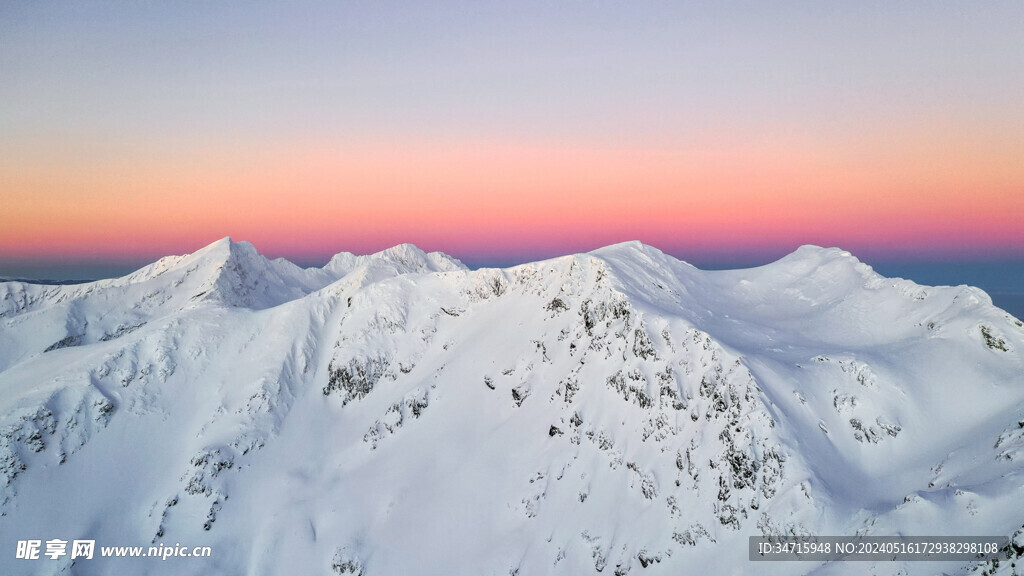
(86, 549)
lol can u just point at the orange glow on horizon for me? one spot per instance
(463, 195)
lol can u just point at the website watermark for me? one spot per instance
(876, 548)
(86, 549)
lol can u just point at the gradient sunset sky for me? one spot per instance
(505, 132)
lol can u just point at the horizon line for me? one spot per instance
(107, 266)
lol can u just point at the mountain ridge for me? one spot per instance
(605, 412)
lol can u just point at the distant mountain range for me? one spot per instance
(613, 412)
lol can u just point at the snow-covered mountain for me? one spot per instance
(612, 412)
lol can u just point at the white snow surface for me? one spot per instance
(613, 412)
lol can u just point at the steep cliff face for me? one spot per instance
(599, 413)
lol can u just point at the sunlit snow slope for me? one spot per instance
(611, 412)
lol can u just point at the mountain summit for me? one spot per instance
(612, 412)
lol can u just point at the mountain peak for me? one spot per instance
(406, 253)
(213, 254)
(834, 263)
(222, 247)
(223, 242)
(629, 246)
(820, 252)
(234, 273)
(405, 258)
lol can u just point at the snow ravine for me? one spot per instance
(393, 414)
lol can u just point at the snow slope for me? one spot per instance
(612, 412)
